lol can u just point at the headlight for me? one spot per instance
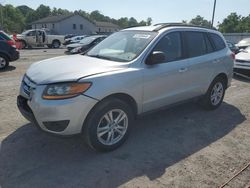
(64, 90)
(75, 50)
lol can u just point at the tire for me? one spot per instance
(4, 62)
(215, 94)
(56, 44)
(49, 45)
(101, 135)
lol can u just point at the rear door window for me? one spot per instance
(219, 44)
(195, 44)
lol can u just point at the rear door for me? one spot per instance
(200, 61)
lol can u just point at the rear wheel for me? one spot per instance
(108, 125)
(56, 44)
(215, 94)
(4, 62)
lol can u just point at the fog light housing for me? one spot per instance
(56, 126)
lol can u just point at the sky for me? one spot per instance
(159, 10)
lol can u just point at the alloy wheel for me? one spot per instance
(217, 93)
(112, 127)
(2, 62)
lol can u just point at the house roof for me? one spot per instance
(53, 19)
(106, 24)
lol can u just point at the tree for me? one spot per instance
(56, 12)
(149, 21)
(235, 24)
(200, 21)
(24, 10)
(132, 22)
(123, 22)
(43, 11)
(13, 20)
(97, 16)
(229, 24)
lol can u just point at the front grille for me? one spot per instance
(242, 61)
(28, 86)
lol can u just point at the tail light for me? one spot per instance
(11, 42)
(233, 56)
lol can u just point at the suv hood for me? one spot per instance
(243, 56)
(70, 68)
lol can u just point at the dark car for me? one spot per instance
(232, 47)
(85, 44)
(7, 53)
(5, 37)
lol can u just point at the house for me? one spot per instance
(74, 24)
(66, 24)
(106, 27)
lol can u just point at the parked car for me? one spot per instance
(7, 53)
(5, 37)
(68, 36)
(74, 40)
(232, 47)
(244, 43)
(40, 37)
(242, 62)
(131, 72)
(85, 44)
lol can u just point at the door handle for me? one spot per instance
(183, 69)
(216, 61)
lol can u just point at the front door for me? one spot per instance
(165, 83)
(31, 38)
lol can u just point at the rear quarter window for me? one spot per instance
(218, 42)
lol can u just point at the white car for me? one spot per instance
(74, 40)
(40, 37)
(132, 72)
(244, 43)
(242, 62)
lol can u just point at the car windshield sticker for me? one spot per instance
(141, 36)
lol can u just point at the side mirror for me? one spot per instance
(156, 57)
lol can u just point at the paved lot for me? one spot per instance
(181, 147)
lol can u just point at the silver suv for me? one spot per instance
(134, 71)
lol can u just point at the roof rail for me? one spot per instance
(164, 25)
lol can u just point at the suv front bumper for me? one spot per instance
(61, 117)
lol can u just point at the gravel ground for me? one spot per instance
(184, 146)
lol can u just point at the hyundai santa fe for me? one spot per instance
(133, 71)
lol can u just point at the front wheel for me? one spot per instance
(4, 62)
(108, 125)
(215, 94)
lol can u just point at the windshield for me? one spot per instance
(248, 49)
(26, 32)
(88, 40)
(122, 46)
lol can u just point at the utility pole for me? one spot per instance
(212, 24)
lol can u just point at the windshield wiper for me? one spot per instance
(100, 57)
